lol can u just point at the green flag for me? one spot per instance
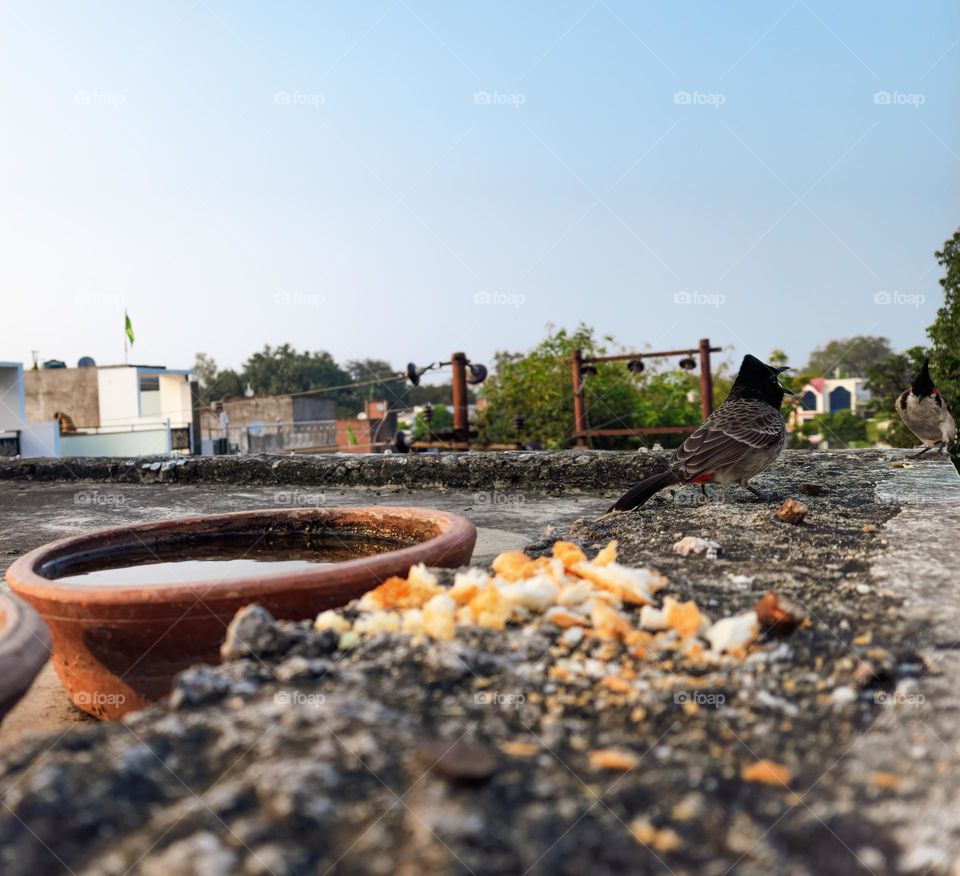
(128, 327)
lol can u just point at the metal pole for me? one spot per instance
(706, 379)
(461, 417)
(579, 410)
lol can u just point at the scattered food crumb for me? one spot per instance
(692, 544)
(767, 772)
(792, 511)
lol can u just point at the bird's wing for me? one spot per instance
(729, 434)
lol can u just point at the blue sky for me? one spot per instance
(403, 179)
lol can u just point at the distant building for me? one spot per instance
(827, 396)
(268, 424)
(295, 423)
(111, 410)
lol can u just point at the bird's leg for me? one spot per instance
(918, 455)
(703, 489)
(943, 448)
(764, 497)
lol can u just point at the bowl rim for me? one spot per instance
(24, 579)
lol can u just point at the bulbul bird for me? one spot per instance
(737, 441)
(925, 413)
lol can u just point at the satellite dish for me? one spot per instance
(86, 362)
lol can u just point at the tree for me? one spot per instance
(847, 357)
(537, 386)
(944, 334)
(387, 383)
(841, 428)
(214, 383)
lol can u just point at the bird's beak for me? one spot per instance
(784, 388)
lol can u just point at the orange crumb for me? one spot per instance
(767, 772)
(612, 759)
(608, 623)
(520, 749)
(569, 554)
(616, 684)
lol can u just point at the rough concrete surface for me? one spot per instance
(393, 757)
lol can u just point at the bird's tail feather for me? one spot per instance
(637, 495)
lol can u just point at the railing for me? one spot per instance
(581, 365)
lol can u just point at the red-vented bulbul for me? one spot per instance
(737, 441)
(925, 412)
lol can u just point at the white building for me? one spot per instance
(827, 396)
(113, 410)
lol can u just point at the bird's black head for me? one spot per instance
(922, 385)
(760, 381)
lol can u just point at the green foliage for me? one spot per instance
(847, 357)
(442, 419)
(841, 429)
(944, 334)
(537, 385)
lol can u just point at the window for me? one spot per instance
(809, 400)
(840, 399)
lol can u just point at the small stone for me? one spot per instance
(459, 762)
(251, 632)
(792, 512)
(843, 696)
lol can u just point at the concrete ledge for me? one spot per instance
(545, 471)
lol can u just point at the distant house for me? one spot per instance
(113, 410)
(824, 395)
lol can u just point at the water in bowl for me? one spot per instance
(212, 560)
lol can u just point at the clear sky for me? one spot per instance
(404, 178)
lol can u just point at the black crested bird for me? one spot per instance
(925, 413)
(737, 441)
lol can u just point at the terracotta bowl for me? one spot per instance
(24, 648)
(117, 648)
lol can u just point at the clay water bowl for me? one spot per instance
(121, 631)
(24, 648)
